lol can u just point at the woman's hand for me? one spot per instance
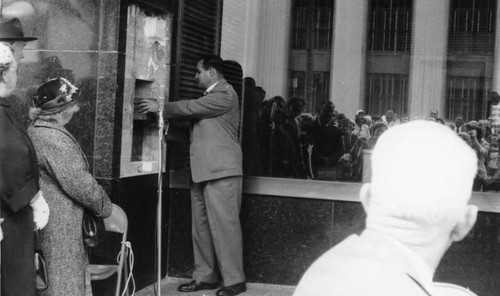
(1, 232)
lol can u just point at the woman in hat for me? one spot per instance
(69, 186)
(22, 203)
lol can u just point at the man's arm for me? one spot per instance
(213, 104)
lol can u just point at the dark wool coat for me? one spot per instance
(18, 185)
(69, 188)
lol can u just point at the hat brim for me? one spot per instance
(13, 39)
(56, 109)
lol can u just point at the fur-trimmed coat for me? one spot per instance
(69, 188)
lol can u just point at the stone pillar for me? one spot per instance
(428, 57)
(259, 40)
(496, 70)
(348, 61)
(234, 27)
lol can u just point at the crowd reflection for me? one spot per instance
(281, 140)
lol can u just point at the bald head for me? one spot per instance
(421, 172)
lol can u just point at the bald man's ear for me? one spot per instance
(465, 224)
(365, 195)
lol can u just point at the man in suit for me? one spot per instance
(459, 124)
(216, 170)
(416, 207)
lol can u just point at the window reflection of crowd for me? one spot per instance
(280, 140)
(484, 140)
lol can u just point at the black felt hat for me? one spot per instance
(54, 96)
(11, 30)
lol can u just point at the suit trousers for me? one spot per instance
(217, 238)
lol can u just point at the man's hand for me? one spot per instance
(147, 105)
(41, 211)
(346, 157)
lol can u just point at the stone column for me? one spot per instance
(428, 57)
(348, 61)
(235, 15)
(496, 70)
(259, 40)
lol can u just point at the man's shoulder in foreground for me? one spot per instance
(358, 266)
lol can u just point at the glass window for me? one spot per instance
(387, 91)
(472, 26)
(312, 21)
(389, 25)
(414, 64)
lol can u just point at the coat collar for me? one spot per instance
(216, 85)
(57, 126)
(396, 257)
(51, 124)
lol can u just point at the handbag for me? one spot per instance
(93, 229)
(41, 278)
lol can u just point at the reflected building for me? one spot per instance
(407, 55)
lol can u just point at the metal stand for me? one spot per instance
(161, 141)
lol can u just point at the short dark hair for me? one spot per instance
(249, 81)
(212, 61)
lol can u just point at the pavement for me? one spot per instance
(169, 288)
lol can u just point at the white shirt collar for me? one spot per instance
(209, 89)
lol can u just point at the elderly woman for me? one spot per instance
(21, 200)
(69, 186)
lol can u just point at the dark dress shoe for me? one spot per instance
(197, 286)
(232, 290)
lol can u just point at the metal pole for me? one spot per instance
(160, 181)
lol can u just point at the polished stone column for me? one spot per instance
(428, 57)
(348, 61)
(256, 34)
(496, 70)
(235, 14)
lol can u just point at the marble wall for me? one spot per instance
(77, 40)
(283, 236)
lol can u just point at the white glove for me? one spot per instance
(40, 211)
(1, 232)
